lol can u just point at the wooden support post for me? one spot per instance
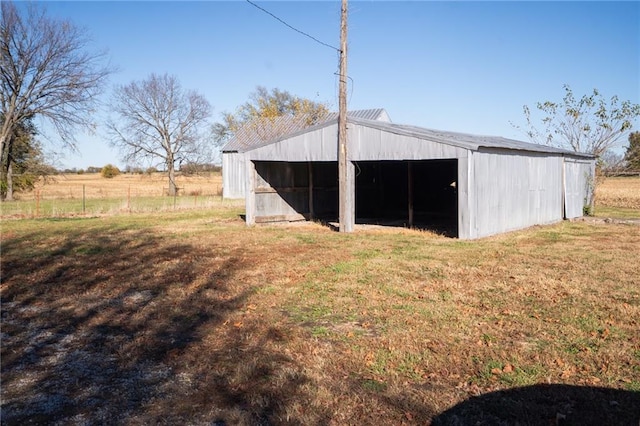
(410, 192)
(250, 197)
(345, 187)
(310, 166)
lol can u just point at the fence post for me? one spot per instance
(129, 199)
(84, 201)
(37, 203)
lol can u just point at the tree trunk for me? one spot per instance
(6, 170)
(9, 195)
(172, 177)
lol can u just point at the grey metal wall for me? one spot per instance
(499, 189)
(514, 190)
(233, 175)
(364, 144)
(317, 145)
(578, 184)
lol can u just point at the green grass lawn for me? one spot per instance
(101, 206)
(617, 212)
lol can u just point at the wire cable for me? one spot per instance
(293, 28)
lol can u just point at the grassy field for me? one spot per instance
(619, 197)
(190, 317)
(91, 194)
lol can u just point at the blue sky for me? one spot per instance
(459, 66)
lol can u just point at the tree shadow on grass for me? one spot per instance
(536, 405)
(547, 404)
(133, 327)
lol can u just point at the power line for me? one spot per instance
(293, 28)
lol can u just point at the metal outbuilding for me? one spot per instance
(463, 185)
(259, 131)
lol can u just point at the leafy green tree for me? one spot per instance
(632, 156)
(27, 164)
(265, 106)
(590, 124)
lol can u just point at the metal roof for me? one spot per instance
(376, 114)
(461, 140)
(464, 140)
(262, 131)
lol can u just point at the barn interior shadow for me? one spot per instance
(129, 326)
(547, 404)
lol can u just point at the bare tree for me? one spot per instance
(591, 124)
(45, 71)
(157, 119)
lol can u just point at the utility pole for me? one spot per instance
(344, 204)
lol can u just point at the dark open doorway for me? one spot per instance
(420, 194)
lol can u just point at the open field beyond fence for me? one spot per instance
(190, 317)
(620, 192)
(90, 194)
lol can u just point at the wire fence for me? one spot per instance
(84, 200)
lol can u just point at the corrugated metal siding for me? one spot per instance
(364, 144)
(369, 144)
(281, 190)
(515, 190)
(578, 184)
(318, 145)
(465, 196)
(233, 175)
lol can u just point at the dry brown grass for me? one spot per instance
(192, 318)
(70, 186)
(619, 192)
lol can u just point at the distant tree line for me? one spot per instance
(185, 169)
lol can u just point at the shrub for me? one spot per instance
(110, 171)
(151, 170)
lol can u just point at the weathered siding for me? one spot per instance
(465, 196)
(233, 175)
(364, 144)
(369, 144)
(514, 190)
(578, 186)
(281, 191)
(316, 145)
